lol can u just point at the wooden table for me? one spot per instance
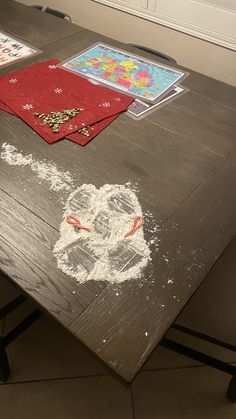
(184, 160)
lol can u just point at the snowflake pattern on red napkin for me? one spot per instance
(44, 88)
(76, 137)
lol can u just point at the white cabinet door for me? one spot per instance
(212, 20)
(126, 4)
(206, 19)
(139, 3)
(200, 16)
(224, 4)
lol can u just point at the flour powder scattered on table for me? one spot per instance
(109, 243)
(103, 253)
(58, 179)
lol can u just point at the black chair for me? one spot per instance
(53, 12)
(154, 52)
(211, 308)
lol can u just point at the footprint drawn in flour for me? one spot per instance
(103, 253)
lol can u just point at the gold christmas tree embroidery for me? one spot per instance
(55, 119)
(84, 131)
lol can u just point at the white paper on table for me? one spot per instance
(11, 49)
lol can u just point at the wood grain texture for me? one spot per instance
(31, 25)
(209, 111)
(195, 114)
(90, 164)
(197, 128)
(131, 324)
(199, 83)
(26, 257)
(123, 142)
(182, 159)
(220, 92)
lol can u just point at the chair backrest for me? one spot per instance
(154, 52)
(53, 12)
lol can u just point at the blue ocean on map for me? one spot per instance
(132, 75)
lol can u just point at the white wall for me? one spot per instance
(209, 59)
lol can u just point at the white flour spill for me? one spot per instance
(103, 253)
(58, 179)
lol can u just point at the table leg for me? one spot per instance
(203, 357)
(8, 308)
(4, 364)
(231, 392)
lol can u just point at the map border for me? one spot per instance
(114, 86)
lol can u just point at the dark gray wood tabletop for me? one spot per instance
(183, 158)
(28, 25)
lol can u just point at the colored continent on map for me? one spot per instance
(135, 76)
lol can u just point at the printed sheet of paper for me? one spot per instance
(11, 50)
(131, 74)
(139, 109)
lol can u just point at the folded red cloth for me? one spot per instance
(6, 108)
(93, 131)
(43, 88)
(77, 137)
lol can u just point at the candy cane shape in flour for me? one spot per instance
(73, 220)
(137, 223)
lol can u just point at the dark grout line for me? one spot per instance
(132, 401)
(56, 379)
(96, 376)
(45, 46)
(78, 377)
(180, 368)
(172, 368)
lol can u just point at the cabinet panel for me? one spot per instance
(212, 20)
(134, 4)
(199, 15)
(224, 4)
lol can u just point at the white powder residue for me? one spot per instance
(104, 253)
(153, 230)
(12, 157)
(58, 179)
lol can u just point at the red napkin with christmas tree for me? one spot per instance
(91, 131)
(79, 138)
(43, 88)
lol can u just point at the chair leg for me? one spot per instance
(13, 334)
(231, 392)
(4, 364)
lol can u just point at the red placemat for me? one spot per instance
(93, 131)
(44, 88)
(78, 138)
(6, 108)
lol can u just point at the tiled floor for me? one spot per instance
(53, 376)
